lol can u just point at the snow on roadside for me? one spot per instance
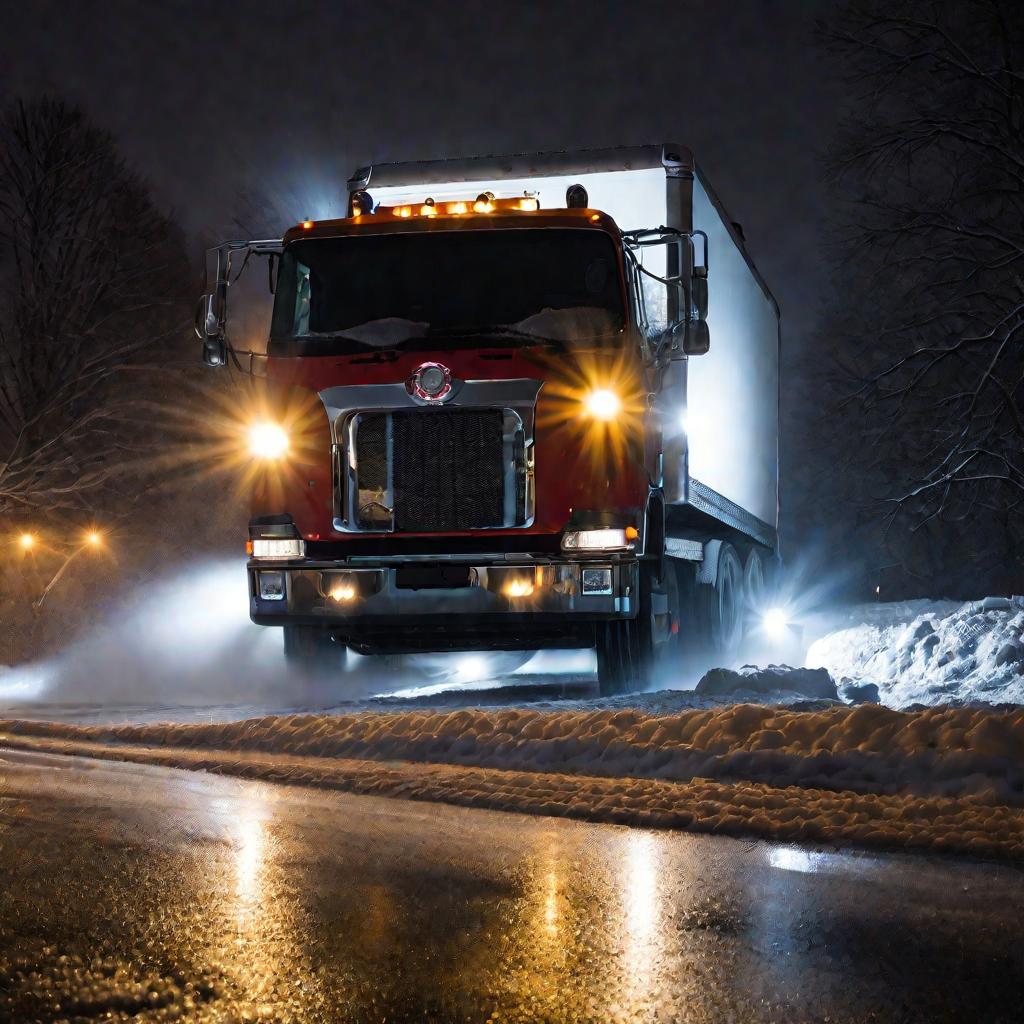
(944, 654)
(889, 821)
(959, 752)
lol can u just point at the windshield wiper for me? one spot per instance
(494, 331)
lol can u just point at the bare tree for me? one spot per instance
(931, 167)
(93, 285)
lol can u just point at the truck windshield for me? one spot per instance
(411, 290)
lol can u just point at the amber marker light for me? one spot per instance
(342, 592)
(306, 225)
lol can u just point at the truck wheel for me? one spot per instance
(659, 620)
(721, 607)
(618, 662)
(630, 652)
(313, 649)
(753, 588)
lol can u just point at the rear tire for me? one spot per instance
(312, 649)
(720, 608)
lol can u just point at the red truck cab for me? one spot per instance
(462, 443)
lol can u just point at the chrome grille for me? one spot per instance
(434, 470)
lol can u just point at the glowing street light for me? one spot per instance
(94, 538)
(27, 541)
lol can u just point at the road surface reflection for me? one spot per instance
(135, 893)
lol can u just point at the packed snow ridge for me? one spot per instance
(938, 751)
(939, 778)
(970, 653)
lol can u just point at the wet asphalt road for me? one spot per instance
(136, 893)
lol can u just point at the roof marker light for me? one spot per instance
(306, 225)
(484, 202)
(360, 202)
(576, 197)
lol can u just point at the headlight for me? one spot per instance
(598, 540)
(278, 547)
(775, 622)
(603, 404)
(267, 440)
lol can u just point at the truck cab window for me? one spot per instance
(355, 292)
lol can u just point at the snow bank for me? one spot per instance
(969, 653)
(867, 749)
(941, 779)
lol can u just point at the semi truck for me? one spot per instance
(512, 403)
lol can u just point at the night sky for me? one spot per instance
(214, 103)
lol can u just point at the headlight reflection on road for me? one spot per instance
(643, 935)
(247, 832)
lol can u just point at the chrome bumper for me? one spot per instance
(378, 591)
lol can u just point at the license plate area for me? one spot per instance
(434, 577)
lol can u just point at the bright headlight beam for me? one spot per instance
(267, 440)
(775, 622)
(603, 404)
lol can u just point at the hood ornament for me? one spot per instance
(431, 382)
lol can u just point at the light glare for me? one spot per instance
(26, 540)
(603, 404)
(267, 440)
(775, 622)
(518, 588)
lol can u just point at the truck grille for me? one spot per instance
(432, 470)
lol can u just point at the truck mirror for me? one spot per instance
(696, 338)
(207, 328)
(215, 352)
(206, 324)
(699, 297)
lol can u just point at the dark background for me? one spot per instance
(247, 117)
(224, 106)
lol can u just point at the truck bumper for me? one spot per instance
(351, 597)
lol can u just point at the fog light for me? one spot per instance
(597, 581)
(271, 585)
(343, 592)
(278, 547)
(518, 588)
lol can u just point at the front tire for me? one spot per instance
(312, 650)
(631, 652)
(618, 656)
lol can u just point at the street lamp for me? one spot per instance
(90, 539)
(27, 541)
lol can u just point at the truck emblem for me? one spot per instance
(430, 381)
